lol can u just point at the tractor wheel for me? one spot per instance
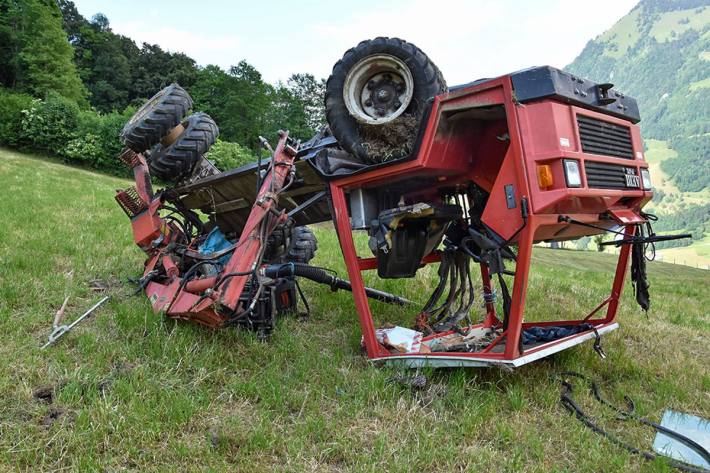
(154, 120)
(376, 95)
(302, 247)
(177, 160)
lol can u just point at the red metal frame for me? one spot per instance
(535, 131)
(207, 300)
(492, 154)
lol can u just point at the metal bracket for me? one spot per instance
(598, 345)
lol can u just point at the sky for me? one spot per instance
(468, 40)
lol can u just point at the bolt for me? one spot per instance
(368, 103)
(383, 95)
(397, 104)
(399, 88)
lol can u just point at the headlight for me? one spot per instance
(646, 178)
(572, 175)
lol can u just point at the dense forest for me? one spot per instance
(67, 85)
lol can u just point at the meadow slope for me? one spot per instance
(132, 391)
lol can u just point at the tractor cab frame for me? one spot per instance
(513, 144)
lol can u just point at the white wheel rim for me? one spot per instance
(378, 89)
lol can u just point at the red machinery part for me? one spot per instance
(456, 150)
(208, 301)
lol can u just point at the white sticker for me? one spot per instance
(639, 155)
(564, 142)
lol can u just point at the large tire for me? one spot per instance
(348, 129)
(302, 247)
(177, 161)
(152, 122)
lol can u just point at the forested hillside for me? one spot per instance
(660, 54)
(67, 85)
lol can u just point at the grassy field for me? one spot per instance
(697, 254)
(132, 391)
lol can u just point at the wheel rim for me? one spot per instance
(378, 89)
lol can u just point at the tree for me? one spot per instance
(310, 93)
(114, 69)
(37, 57)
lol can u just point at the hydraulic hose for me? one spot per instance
(323, 276)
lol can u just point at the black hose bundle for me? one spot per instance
(455, 272)
(325, 276)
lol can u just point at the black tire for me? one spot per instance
(428, 82)
(302, 247)
(156, 118)
(175, 162)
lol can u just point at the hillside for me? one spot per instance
(660, 54)
(132, 391)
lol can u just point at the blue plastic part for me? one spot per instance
(216, 241)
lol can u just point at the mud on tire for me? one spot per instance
(427, 83)
(156, 118)
(177, 161)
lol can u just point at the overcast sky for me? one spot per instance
(466, 39)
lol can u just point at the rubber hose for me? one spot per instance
(322, 276)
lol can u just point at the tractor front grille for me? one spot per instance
(611, 176)
(608, 139)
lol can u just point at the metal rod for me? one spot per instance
(88, 312)
(312, 200)
(63, 329)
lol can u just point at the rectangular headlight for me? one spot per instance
(646, 178)
(572, 175)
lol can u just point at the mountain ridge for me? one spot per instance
(659, 53)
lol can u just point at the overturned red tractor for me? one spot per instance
(476, 173)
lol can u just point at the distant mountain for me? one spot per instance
(659, 53)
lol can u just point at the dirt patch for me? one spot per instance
(392, 140)
(56, 413)
(46, 392)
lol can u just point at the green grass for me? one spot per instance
(679, 22)
(658, 151)
(138, 392)
(698, 253)
(700, 84)
(623, 35)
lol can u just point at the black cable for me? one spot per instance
(568, 403)
(185, 279)
(568, 219)
(321, 276)
(524, 214)
(258, 173)
(303, 298)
